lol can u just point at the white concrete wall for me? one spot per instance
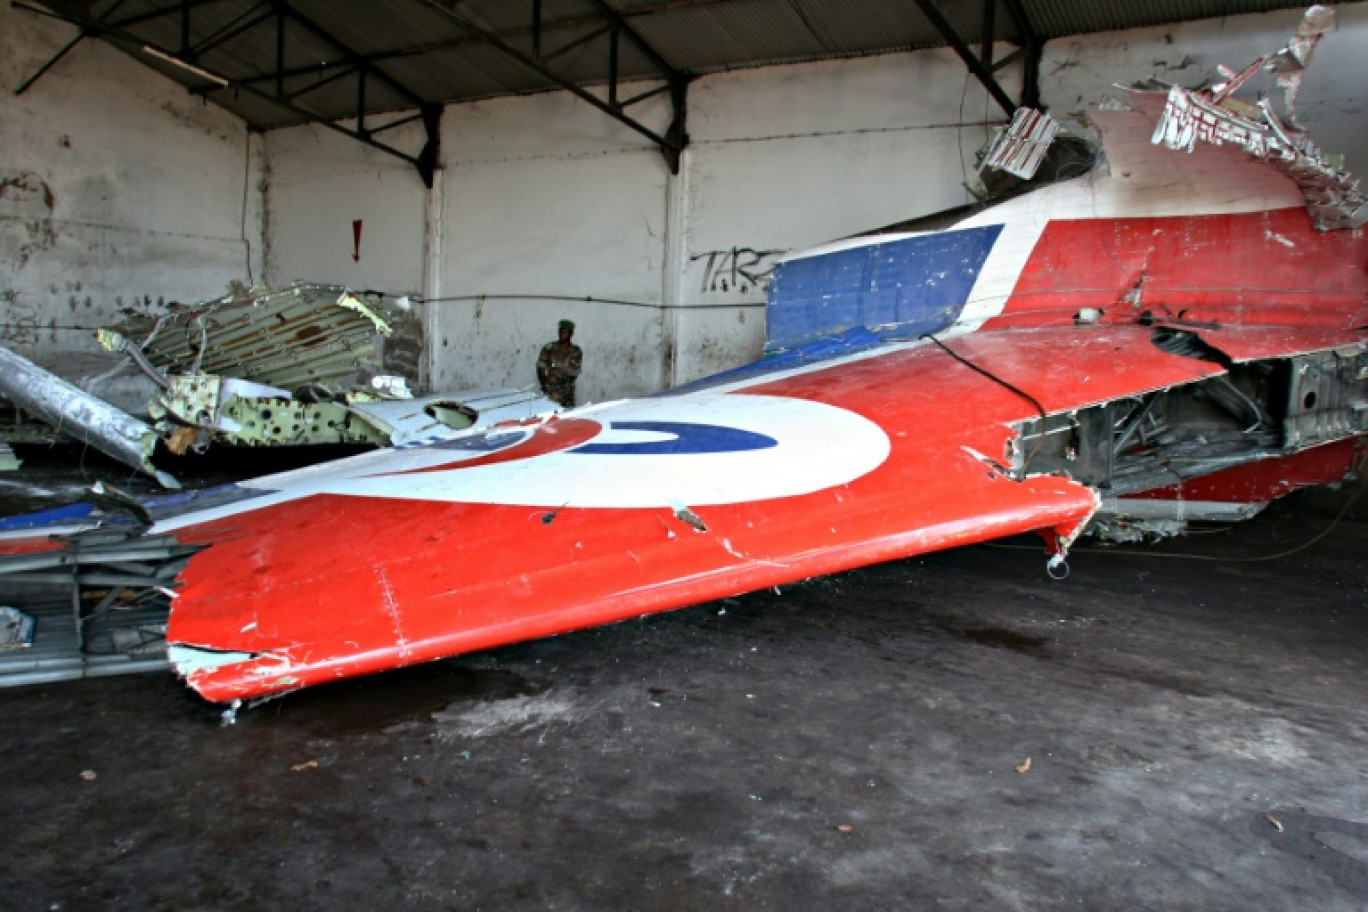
(118, 189)
(548, 202)
(319, 183)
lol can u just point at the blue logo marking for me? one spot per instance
(685, 438)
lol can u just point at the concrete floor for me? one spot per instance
(1175, 727)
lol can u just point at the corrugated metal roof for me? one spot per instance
(1077, 17)
(282, 63)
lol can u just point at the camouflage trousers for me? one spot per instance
(561, 391)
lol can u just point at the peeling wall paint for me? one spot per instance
(117, 190)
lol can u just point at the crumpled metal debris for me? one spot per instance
(259, 367)
(79, 414)
(1290, 63)
(302, 365)
(265, 366)
(197, 409)
(16, 629)
(1021, 146)
(304, 334)
(94, 605)
(1213, 115)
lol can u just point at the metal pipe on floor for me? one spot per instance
(78, 414)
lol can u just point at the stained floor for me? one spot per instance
(1179, 726)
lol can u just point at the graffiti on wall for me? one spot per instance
(738, 270)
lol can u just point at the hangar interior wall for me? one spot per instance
(119, 189)
(546, 209)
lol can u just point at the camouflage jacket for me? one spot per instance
(557, 367)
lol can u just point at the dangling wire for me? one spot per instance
(998, 380)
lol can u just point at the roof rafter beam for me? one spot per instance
(343, 71)
(670, 145)
(569, 46)
(621, 25)
(249, 20)
(1029, 40)
(536, 29)
(430, 114)
(989, 35)
(982, 72)
(538, 34)
(286, 10)
(150, 15)
(23, 87)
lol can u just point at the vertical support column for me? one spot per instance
(536, 29)
(255, 218)
(989, 34)
(676, 262)
(434, 216)
(361, 102)
(280, 55)
(613, 68)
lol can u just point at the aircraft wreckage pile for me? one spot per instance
(275, 367)
(1174, 336)
(261, 367)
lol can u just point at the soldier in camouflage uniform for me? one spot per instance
(558, 365)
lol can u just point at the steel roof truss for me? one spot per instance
(676, 82)
(283, 15)
(982, 65)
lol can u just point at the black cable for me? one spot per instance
(588, 299)
(998, 380)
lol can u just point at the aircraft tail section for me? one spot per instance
(899, 287)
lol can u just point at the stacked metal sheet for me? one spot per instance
(288, 337)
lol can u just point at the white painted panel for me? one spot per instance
(536, 221)
(321, 183)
